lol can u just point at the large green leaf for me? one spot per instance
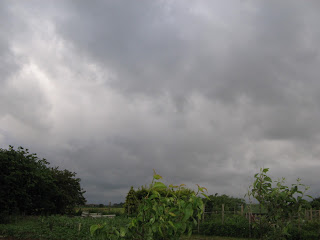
(159, 185)
(94, 228)
(187, 213)
(123, 232)
(265, 170)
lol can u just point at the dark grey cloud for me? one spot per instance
(204, 92)
(7, 63)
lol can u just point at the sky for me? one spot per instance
(204, 92)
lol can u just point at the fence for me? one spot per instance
(307, 214)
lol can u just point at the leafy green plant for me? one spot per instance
(283, 203)
(159, 217)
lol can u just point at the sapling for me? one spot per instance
(282, 203)
(159, 217)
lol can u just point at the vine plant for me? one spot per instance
(159, 217)
(283, 203)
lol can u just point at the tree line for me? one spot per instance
(29, 186)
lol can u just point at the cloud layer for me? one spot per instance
(202, 91)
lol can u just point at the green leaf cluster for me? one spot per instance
(163, 213)
(135, 197)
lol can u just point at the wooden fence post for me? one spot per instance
(242, 210)
(109, 207)
(198, 226)
(249, 224)
(305, 214)
(222, 213)
(299, 222)
(79, 227)
(204, 209)
(311, 214)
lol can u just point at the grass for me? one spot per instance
(66, 228)
(191, 238)
(54, 227)
(199, 237)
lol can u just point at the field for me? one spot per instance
(65, 228)
(104, 210)
(77, 228)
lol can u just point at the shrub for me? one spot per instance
(159, 216)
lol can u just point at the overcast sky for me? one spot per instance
(205, 92)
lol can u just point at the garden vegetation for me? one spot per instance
(38, 200)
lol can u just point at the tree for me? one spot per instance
(315, 203)
(68, 193)
(283, 203)
(214, 202)
(29, 186)
(131, 204)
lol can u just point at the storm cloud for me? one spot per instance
(204, 92)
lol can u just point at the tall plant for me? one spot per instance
(283, 203)
(159, 217)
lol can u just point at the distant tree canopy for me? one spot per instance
(29, 186)
(315, 203)
(118, 205)
(214, 203)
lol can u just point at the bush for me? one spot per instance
(135, 197)
(233, 226)
(160, 216)
(308, 231)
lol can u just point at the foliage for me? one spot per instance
(315, 203)
(131, 203)
(30, 187)
(233, 226)
(237, 226)
(65, 228)
(309, 231)
(201, 237)
(56, 227)
(68, 192)
(159, 217)
(214, 203)
(135, 197)
(118, 205)
(283, 203)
